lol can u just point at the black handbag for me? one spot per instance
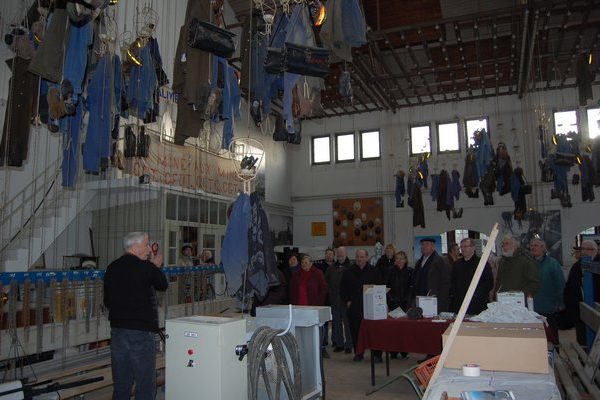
(297, 59)
(208, 37)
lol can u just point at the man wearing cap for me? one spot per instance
(186, 256)
(432, 276)
(573, 293)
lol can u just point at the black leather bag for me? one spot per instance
(208, 37)
(297, 59)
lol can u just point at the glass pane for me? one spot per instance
(419, 139)
(193, 209)
(208, 242)
(593, 117)
(321, 150)
(565, 122)
(172, 257)
(171, 206)
(370, 144)
(222, 214)
(448, 137)
(345, 147)
(203, 211)
(182, 210)
(213, 213)
(475, 125)
(172, 238)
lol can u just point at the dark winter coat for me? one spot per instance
(462, 274)
(433, 279)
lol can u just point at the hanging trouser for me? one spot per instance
(80, 38)
(70, 127)
(21, 107)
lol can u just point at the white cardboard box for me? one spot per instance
(513, 297)
(374, 302)
(428, 304)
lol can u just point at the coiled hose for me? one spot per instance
(257, 348)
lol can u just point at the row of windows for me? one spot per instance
(448, 137)
(191, 209)
(344, 147)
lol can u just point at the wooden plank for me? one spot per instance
(579, 370)
(566, 380)
(589, 316)
(463, 307)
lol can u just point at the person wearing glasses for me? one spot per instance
(462, 274)
(573, 293)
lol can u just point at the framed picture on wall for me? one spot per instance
(358, 222)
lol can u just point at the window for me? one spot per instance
(344, 147)
(321, 151)
(420, 139)
(171, 206)
(369, 145)
(565, 122)
(593, 119)
(473, 125)
(447, 135)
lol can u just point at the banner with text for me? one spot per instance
(187, 167)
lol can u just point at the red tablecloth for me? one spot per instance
(402, 335)
(408, 335)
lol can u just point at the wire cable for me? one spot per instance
(282, 347)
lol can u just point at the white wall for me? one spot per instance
(512, 121)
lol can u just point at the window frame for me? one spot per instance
(337, 135)
(312, 149)
(362, 158)
(587, 120)
(410, 128)
(466, 131)
(437, 133)
(562, 110)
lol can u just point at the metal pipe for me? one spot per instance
(523, 45)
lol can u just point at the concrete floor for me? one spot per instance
(349, 380)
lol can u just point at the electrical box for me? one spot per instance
(201, 361)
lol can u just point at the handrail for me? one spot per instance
(9, 210)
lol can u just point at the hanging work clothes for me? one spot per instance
(442, 194)
(503, 170)
(423, 168)
(488, 187)
(435, 187)
(142, 84)
(517, 193)
(191, 70)
(48, 59)
(588, 176)
(253, 52)
(483, 151)
(230, 96)
(400, 189)
(332, 32)
(76, 56)
(161, 80)
(261, 256)
(20, 108)
(455, 187)
(234, 254)
(103, 91)
(136, 145)
(470, 174)
(417, 206)
(70, 126)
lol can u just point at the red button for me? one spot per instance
(190, 352)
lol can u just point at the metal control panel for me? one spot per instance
(201, 361)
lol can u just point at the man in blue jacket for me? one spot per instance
(129, 294)
(548, 300)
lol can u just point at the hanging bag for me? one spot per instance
(208, 37)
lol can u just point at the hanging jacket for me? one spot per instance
(517, 193)
(80, 38)
(584, 79)
(400, 189)
(587, 179)
(435, 187)
(423, 169)
(234, 254)
(484, 152)
(417, 206)
(596, 159)
(470, 174)
(502, 169)
(142, 83)
(48, 61)
(443, 193)
(455, 187)
(332, 32)
(230, 96)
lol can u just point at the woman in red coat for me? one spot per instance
(308, 286)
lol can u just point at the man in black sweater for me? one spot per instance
(462, 274)
(129, 295)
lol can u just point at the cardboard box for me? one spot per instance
(374, 302)
(515, 298)
(499, 347)
(428, 304)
